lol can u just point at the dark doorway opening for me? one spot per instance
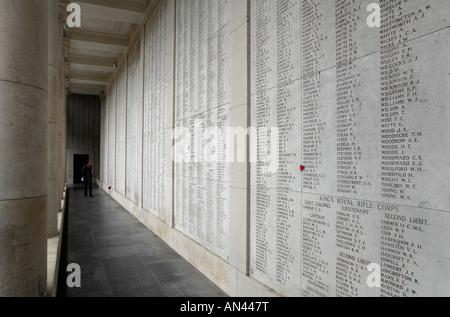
(79, 160)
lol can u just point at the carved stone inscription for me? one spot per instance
(134, 124)
(121, 129)
(155, 107)
(365, 111)
(201, 113)
(112, 136)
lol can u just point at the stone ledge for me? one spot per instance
(54, 252)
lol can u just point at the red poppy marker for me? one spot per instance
(302, 167)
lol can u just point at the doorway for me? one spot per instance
(79, 160)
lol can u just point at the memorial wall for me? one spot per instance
(364, 110)
(202, 105)
(347, 172)
(156, 92)
(134, 124)
(121, 130)
(110, 176)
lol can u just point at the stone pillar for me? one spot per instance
(62, 136)
(23, 144)
(62, 131)
(62, 121)
(54, 103)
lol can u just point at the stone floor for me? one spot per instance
(120, 257)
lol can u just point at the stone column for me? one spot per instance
(62, 93)
(53, 117)
(23, 144)
(62, 135)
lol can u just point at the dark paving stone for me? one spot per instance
(197, 286)
(162, 257)
(92, 253)
(80, 239)
(111, 240)
(136, 287)
(120, 257)
(172, 290)
(172, 271)
(136, 233)
(104, 230)
(123, 267)
(73, 256)
(117, 252)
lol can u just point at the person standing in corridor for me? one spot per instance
(86, 173)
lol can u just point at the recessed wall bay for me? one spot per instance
(112, 136)
(121, 129)
(201, 112)
(134, 124)
(156, 91)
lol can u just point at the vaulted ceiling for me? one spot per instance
(93, 51)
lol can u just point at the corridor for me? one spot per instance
(284, 148)
(120, 257)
